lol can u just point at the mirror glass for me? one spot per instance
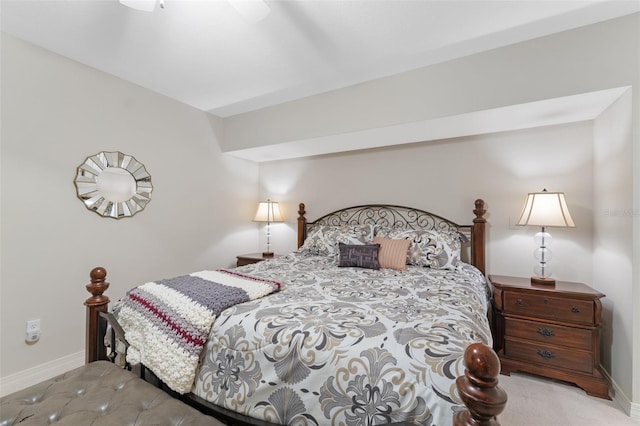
(116, 184)
(113, 184)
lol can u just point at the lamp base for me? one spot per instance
(267, 254)
(543, 281)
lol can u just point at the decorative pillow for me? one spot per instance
(437, 250)
(359, 255)
(393, 253)
(323, 239)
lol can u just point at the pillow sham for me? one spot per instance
(322, 240)
(437, 250)
(359, 255)
(393, 253)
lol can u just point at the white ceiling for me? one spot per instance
(205, 54)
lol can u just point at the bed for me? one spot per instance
(371, 321)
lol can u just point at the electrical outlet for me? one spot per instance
(33, 331)
(33, 325)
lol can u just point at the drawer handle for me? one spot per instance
(575, 309)
(546, 332)
(545, 354)
(519, 302)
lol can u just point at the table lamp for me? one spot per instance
(269, 212)
(544, 209)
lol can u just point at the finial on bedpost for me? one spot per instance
(479, 223)
(97, 287)
(479, 210)
(478, 388)
(302, 225)
(97, 303)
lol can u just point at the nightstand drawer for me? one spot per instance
(568, 358)
(542, 306)
(549, 333)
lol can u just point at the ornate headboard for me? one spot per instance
(406, 218)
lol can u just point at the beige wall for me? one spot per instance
(613, 218)
(56, 112)
(445, 177)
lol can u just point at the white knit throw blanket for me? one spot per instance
(168, 322)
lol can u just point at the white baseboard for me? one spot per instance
(635, 410)
(31, 376)
(631, 408)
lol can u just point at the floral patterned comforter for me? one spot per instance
(346, 346)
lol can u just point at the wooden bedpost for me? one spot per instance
(97, 303)
(477, 250)
(478, 388)
(302, 225)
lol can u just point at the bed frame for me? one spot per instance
(478, 387)
(406, 218)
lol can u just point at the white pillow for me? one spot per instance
(323, 239)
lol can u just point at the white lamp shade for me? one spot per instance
(268, 212)
(546, 209)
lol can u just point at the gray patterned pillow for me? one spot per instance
(437, 250)
(323, 240)
(359, 256)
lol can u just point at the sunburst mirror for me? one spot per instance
(113, 184)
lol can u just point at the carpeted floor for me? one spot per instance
(537, 401)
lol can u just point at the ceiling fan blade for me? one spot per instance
(144, 5)
(251, 10)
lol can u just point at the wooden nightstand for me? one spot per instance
(549, 331)
(247, 259)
